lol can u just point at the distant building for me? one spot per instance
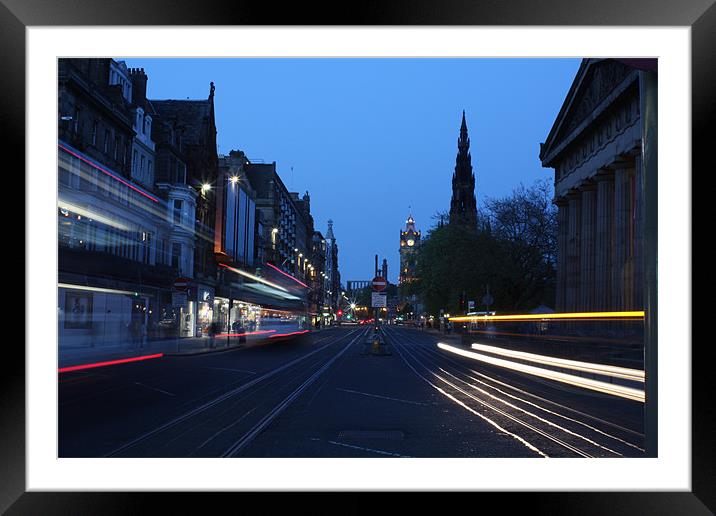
(318, 299)
(409, 244)
(286, 222)
(463, 206)
(595, 148)
(333, 276)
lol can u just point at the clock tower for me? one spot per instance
(409, 242)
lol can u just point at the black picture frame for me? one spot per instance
(16, 15)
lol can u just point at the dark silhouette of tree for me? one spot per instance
(512, 250)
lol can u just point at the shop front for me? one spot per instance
(205, 310)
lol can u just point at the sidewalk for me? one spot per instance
(170, 347)
(187, 346)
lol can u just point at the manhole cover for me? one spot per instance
(371, 434)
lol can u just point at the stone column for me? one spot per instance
(587, 247)
(573, 248)
(562, 218)
(620, 270)
(604, 237)
(638, 235)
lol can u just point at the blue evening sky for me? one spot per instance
(371, 139)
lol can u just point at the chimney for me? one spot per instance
(139, 84)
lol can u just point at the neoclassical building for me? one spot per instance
(595, 148)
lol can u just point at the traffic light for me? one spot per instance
(340, 313)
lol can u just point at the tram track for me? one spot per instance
(248, 409)
(524, 414)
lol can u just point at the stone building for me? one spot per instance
(333, 276)
(317, 297)
(191, 127)
(595, 149)
(114, 284)
(286, 239)
(409, 244)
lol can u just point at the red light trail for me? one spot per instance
(287, 275)
(107, 363)
(108, 173)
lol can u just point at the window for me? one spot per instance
(141, 166)
(149, 169)
(176, 254)
(116, 148)
(135, 162)
(76, 120)
(106, 140)
(177, 211)
(94, 133)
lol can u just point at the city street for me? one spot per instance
(327, 394)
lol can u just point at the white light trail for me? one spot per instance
(586, 383)
(636, 375)
(255, 278)
(91, 215)
(95, 289)
(470, 409)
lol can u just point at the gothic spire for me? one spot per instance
(463, 207)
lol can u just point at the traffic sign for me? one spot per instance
(182, 284)
(379, 283)
(378, 300)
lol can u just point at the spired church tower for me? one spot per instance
(463, 208)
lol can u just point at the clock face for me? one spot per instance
(411, 242)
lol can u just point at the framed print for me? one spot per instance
(222, 182)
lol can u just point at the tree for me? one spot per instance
(525, 224)
(512, 250)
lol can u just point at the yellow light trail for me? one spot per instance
(636, 375)
(542, 317)
(577, 381)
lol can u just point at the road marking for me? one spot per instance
(381, 452)
(201, 408)
(154, 389)
(381, 397)
(258, 428)
(526, 443)
(435, 353)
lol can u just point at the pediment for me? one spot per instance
(596, 80)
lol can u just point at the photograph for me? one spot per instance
(407, 250)
(369, 257)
